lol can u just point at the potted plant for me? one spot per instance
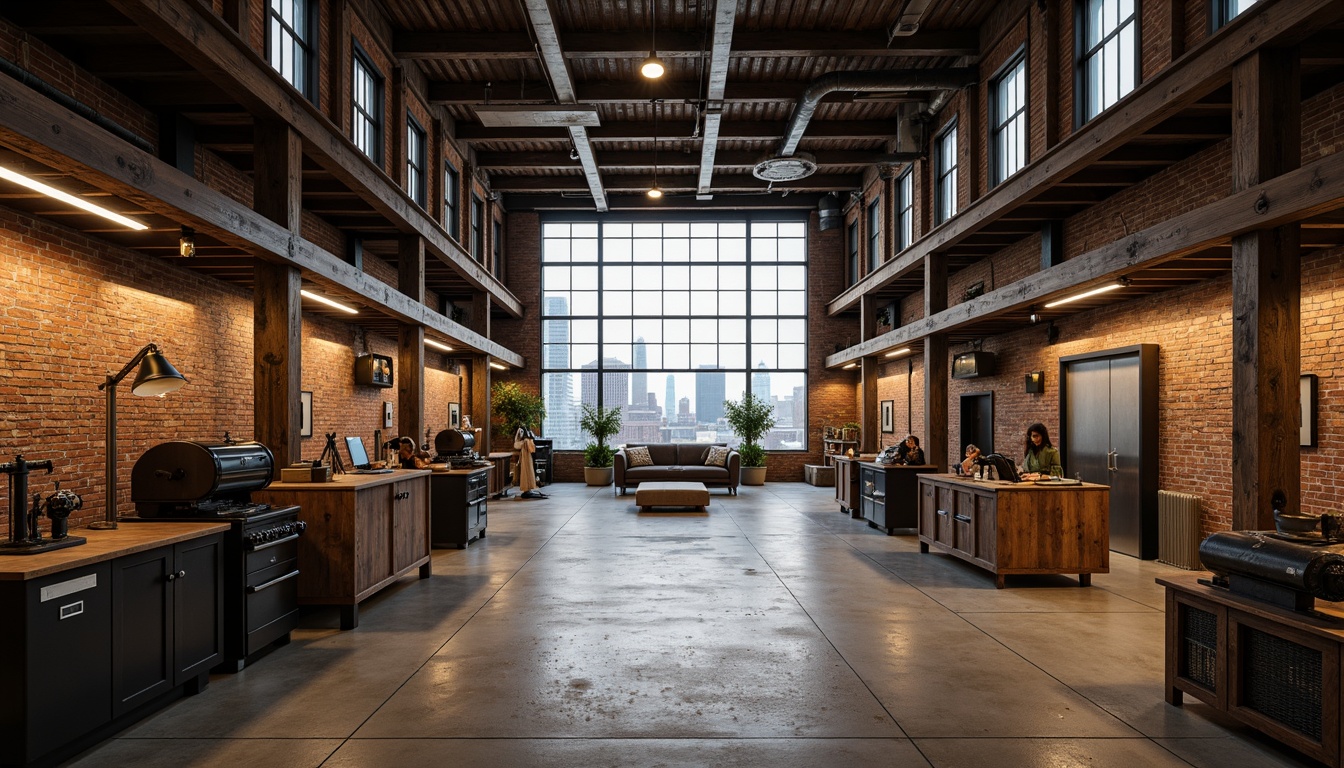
(750, 419)
(601, 423)
(851, 430)
(515, 408)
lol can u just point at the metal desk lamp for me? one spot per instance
(157, 376)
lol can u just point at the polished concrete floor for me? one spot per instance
(772, 630)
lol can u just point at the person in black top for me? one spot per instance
(910, 452)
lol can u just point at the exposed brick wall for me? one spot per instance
(74, 306)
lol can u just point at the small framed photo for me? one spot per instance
(305, 414)
(1306, 436)
(888, 416)
(454, 415)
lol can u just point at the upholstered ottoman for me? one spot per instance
(649, 495)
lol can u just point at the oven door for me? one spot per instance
(271, 594)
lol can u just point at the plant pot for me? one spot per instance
(598, 475)
(753, 475)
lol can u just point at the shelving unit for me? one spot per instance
(832, 447)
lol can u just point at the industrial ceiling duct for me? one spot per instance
(883, 80)
(828, 211)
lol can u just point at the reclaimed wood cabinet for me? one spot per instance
(1275, 670)
(889, 494)
(98, 634)
(1017, 528)
(364, 532)
(847, 485)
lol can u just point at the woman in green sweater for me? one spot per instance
(1041, 457)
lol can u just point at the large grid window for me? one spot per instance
(668, 319)
(1227, 10)
(366, 98)
(852, 242)
(452, 216)
(905, 211)
(416, 160)
(874, 234)
(1008, 120)
(477, 228)
(291, 43)
(1108, 46)
(945, 184)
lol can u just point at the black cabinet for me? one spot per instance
(542, 459)
(457, 501)
(61, 628)
(889, 494)
(167, 626)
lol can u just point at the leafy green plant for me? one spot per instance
(516, 408)
(752, 455)
(598, 456)
(751, 419)
(854, 425)
(601, 423)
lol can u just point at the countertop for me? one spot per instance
(104, 545)
(1005, 485)
(348, 482)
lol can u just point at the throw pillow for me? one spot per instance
(638, 457)
(717, 456)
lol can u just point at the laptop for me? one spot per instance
(359, 458)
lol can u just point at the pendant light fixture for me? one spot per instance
(653, 67)
(655, 192)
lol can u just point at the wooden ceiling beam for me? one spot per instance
(479, 46)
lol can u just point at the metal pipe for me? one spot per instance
(882, 80)
(75, 105)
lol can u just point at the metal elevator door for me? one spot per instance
(1102, 442)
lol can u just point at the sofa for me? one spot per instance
(677, 462)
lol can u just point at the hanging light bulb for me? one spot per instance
(653, 67)
(655, 192)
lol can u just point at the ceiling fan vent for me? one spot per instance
(798, 166)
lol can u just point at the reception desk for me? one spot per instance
(1017, 528)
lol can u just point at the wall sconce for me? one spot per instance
(1035, 382)
(156, 376)
(186, 245)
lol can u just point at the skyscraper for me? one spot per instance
(615, 383)
(760, 383)
(639, 380)
(709, 389)
(670, 404)
(562, 412)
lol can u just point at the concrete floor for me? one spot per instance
(772, 630)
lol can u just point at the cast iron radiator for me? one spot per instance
(1178, 530)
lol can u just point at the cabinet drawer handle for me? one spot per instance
(943, 512)
(272, 582)
(962, 518)
(176, 576)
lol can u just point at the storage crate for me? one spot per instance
(819, 475)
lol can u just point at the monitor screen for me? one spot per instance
(358, 456)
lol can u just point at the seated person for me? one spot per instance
(910, 452)
(1041, 458)
(408, 457)
(968, 464)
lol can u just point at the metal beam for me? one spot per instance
(772, 130)
(553, 60)
(445, 46)
(722, 42)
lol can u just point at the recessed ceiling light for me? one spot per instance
(1088, 294)
(324, 300)
(898, 352)
(438, 345)
(851, 365)
(499, 367)
(66, 197)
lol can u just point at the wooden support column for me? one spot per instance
(480, 401)
(411, 341)
(239, 16)
(277, 325)
(479, 319)
(935, 364)
(277, 189)
(869, 415)
(277, 322)
(1266, 295)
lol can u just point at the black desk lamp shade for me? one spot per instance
(156, 376)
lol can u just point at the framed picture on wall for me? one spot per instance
(454, 415)
(1306, 437)
(888, 415)
(305, 414)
